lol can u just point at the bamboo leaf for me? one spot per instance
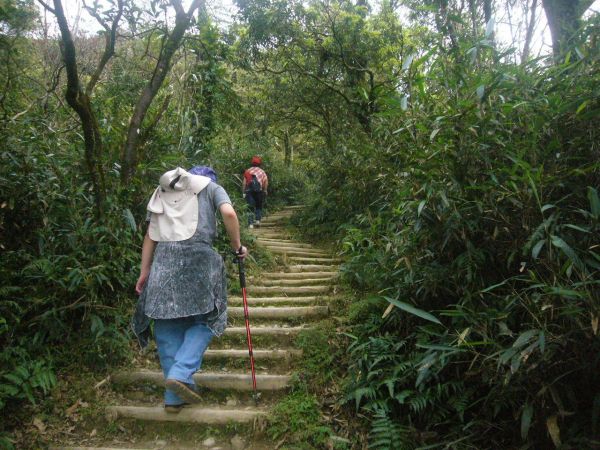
(420, 207)
(129, 219)
(535, 251)
(592, 195)
(524, 338)
(566, 249)
(526, 417)
(412, 310)
(582, 107)
(553, 430)
(546, 207)
(480, 91)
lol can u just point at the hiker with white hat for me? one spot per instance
(182, 283)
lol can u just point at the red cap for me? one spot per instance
(256, 160)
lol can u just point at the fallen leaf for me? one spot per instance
(71, 409)
(387, 311)
(39, 424)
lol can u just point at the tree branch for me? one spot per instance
(46, 7)
(163, 65)
(109, 48)
(177, 7)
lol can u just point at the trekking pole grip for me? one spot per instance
(240, 262)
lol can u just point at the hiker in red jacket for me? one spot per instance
(254, 188)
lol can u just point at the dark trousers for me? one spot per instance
(255, 202)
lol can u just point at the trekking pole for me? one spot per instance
(240, 262)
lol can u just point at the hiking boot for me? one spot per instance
(250, 226)
(183, 390)
(257, 223)
(174, 409)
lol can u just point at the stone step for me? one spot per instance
(286, 243)
(298, 275)
(192, 414)
(282, 212)
(279, 218)
(253, 291)
(260, 231)
(296, 268)
(271, 225)
(275, 300)
(210, 380)
(103, 448)
(311, 259)
(294, 282)
(283, 243)
(280, 235)
(297, 251)
(266, 224)
(279, 312)
(265, 330)
(258, 354)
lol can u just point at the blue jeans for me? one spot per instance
(181, 345)
(255, 202)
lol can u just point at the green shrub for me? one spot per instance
(296, 420)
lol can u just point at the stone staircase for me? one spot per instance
(282, 303)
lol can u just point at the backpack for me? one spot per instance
(254, 185)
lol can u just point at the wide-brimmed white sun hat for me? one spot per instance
(174, 205)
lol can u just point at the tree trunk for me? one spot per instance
(80, 102)
(163, 65)
(529, 33)
(564, 20)
(288, 150)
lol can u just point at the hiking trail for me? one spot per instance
(281, 304)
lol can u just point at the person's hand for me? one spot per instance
(241, 252)
(141, 282)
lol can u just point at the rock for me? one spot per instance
(237, 443)
(209, 442)
(232, 402)
(160, 444)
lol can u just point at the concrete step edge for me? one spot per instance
(299, 268)
(266, 331)
(311, 259)
(211, 380)
(298, 275)
(284, 243)
(276, 300)
(279, 312)
(294, 282)
(297, 251)
(69, 447)
(214, 415)
(258, 354)
(285, 290)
